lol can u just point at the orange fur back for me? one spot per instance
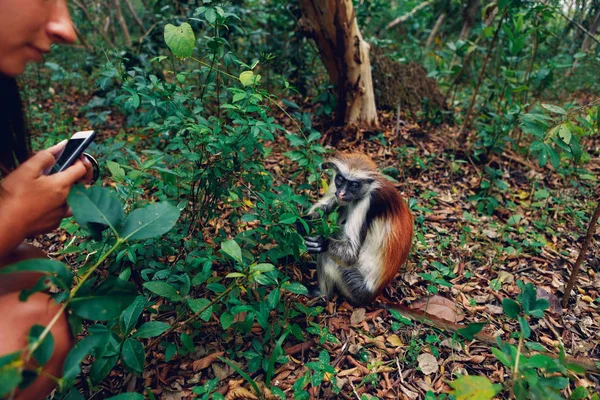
(393, 209)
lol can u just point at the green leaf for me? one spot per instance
(565, 133)
(164, 290)
(58, 272)
(511, 308)
(262, 268)
(579, 393)
(248, 78)
(575, 368)
(180, 39)
(210, 15)
(296, 287)
(503, 3)
(514, 219)
(72, 365)
(127, 396)
(238, 96)
(232, 249)
(554, 109)
(131, 314)
(197, 305)
(106, 301)
(151, 221)
(525, 329)
(150, 329)
(554, 157)
(44, 351)
(471, 330)
(10, 376)
(95, 208)
(133, 355)
(288, 219)
(226, 320)
(543, 156)
(470, 387)
(503, 358)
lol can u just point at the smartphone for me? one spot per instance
(72, 150)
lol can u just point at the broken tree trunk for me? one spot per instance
(332, 24)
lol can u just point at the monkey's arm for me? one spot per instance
(327, 203)
(344, 251)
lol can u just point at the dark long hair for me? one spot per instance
(14, 137)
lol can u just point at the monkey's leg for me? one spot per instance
(353, 286)
(328, 274)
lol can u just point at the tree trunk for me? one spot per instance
(470, 12)
(436, 28)
(332, 25)
(585, 46)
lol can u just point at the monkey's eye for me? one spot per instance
(354, 185)
(339, 180)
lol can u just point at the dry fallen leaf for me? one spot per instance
(240, 393)
(206, 361)
(358, 316)
(438, 306)
(555, 305)
(427, 363)
(395, 341)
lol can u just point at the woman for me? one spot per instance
(30, 203)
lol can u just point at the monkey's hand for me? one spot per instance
(316, 244)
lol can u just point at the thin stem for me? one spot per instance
(516, 370)
(47, 329)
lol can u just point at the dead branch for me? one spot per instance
(135, 16)
(122, 22)
(579, 26)
(407, 16)
(584, 247)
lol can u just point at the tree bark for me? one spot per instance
(436, 28)
(469, 15)
(332, 24)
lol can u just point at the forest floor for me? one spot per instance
(534, 235)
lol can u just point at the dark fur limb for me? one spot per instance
(354, 283)
(344, 250)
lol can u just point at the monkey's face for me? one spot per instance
(347, 191)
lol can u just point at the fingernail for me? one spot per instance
(86, 161)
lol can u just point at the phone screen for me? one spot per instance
(70, 148)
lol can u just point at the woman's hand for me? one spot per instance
(31, 202)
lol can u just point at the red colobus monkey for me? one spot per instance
(375, 235)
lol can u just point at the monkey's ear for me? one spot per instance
(329, 165)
